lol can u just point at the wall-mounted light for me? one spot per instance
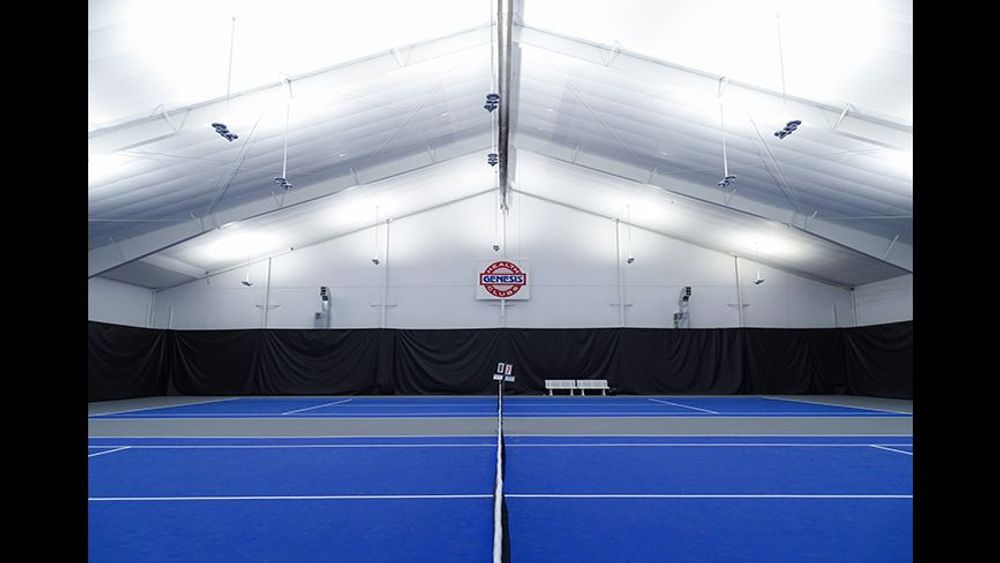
(493, 158)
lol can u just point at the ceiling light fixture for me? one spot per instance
(221, 128)
(628, 232)
(375, 259)
(792, 125)
(727, 179)
(281, 181)
(492, 102)
(246, 274)
(759, 279)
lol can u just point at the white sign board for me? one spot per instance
(502, 279)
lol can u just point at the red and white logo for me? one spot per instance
(502, 279)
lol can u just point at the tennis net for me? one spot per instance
(501, 536)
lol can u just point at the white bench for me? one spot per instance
(584, 384)
(551, 384)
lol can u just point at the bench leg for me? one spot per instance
(550, 392)
(603, 394)
(583, 392)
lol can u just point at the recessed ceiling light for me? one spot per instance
(550, 110)
(444, 114)
(342, 154)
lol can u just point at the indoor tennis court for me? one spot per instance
(770, 489)
(501, 280)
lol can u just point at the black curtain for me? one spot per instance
(134, 362)
(791, 362)
(695, 361)
(879, 360)
(445, 361)
(215, 362)
(125, 362)
(540, 354)
(317, 362)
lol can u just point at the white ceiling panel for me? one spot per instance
(386, 94)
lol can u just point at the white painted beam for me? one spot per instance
(174, 265)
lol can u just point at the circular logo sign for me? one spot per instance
(502, 279)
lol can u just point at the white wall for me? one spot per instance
(886, 301)
(119, 303)
(432, 271)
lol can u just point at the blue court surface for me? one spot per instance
(690, 499)
(485, 406)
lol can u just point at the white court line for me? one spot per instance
(892, 450)
(832, 405)
(298, 497)
(685, 406)
(531, 495)
(163, 406)
(490, 445)
(117, 449)
(509, 495)
(536, 414)
(299, 446)
(493, 434)
(317, 406)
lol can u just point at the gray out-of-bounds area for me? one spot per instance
(486, 426)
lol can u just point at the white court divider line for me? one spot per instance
(726, 496)
(487, 445)
(888, 449)
(522, 414)
(300, 446)
(317, 406)
(832, 405)
(164, 406)
(477, 496)
(296, 497)
(491, 436)
(685, 406)
(117, 449)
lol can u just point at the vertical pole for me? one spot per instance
(503, 249)
(170, 317)
(385, 275)
(854, 307)
(267, 292)
(152, 310)
(621, 281)
(834, 307)
(739, 290)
